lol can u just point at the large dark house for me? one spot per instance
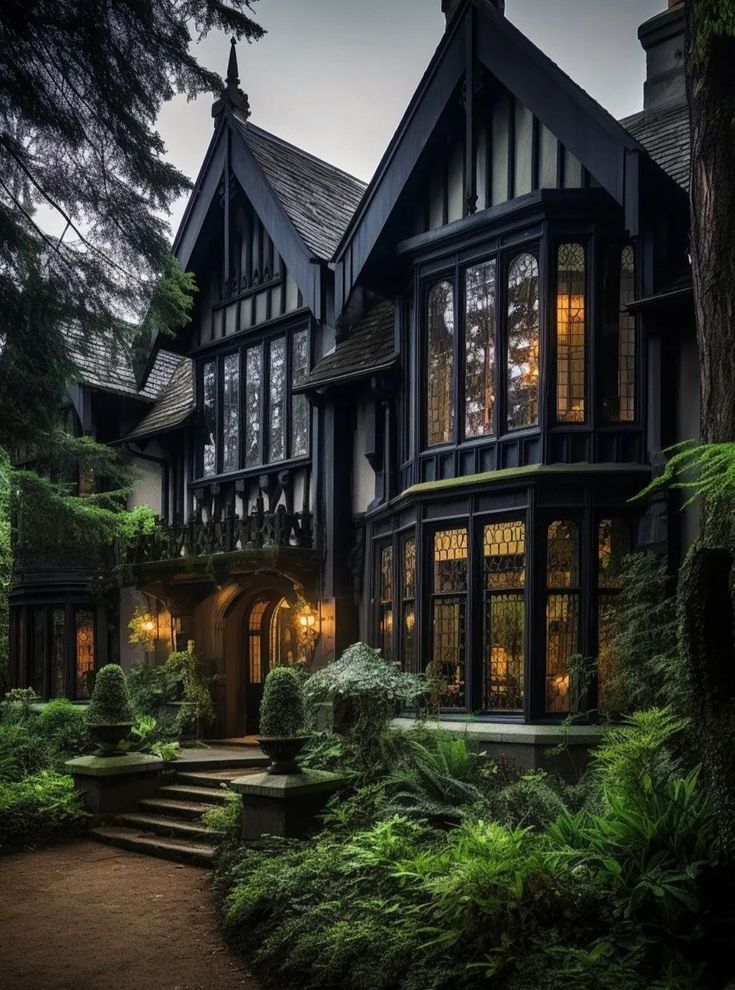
(414, 412)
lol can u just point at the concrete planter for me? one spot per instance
(111, 784)
(286, 805)
(282, 752)
(109, 736)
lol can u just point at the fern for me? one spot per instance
(704, 470)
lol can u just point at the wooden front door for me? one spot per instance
(270, 643)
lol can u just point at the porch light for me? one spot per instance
(307, 619)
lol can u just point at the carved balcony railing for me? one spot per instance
(200, 538)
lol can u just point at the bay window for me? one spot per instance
(618, 358)
(449, 615)
(523, 343)
(570, 334)
(562, 611)
(613, 545)
(385, 603)
(480, 330)
(408, 605)
(504, 579)
(440, 365)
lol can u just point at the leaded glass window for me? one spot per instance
(84, 643)
(440, 365)
(231, 412)
(504, 580)
(480, 297)
(523, 333)
(255, 642)
(299, 403)
(618, 343)
(448, 616)
(386, 601)
(613, 546)
(570, 334)
(562, 611)
(58, 653)
(626, 338)
(38, 653)
(209, 408)
(277, 400)
(408, 605)
(253, 391)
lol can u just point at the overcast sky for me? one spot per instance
(335, 76)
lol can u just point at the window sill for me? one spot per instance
(517, 733)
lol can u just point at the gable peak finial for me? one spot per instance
(231, 95)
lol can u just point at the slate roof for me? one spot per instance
(174, 405)
(106, 364)
(664, 133)
(367, 348)
(318, 198)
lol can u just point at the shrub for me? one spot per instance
(23, 751)
(282, 707)
(17, 706)
(40, 808)
(225, 820)
(374, 687)
(197, 709)
(64, 726)
(529, 802)
(153, 687)
(110, 704)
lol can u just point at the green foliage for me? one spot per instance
(374, 689)
(529, 802)
(225, 820)
(148, 736)
(64, 725)
(703, 470)
(642, 664)
(282, 707)
(153, 686)
(110, 704)
(17, 704)
(23, 751)
(6, 568)
(40, 808)
(197, 709)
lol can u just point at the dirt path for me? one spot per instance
(88, 917)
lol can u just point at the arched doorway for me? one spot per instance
(270, 642)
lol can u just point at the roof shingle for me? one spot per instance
(105, 363)
(368, 348)
(318, 198)
(664, 133)
(174, 405)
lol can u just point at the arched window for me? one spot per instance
(562, 611)
(613, 545)
(523, 342)
(570, 334)
(504, 626)
(480, 350)
(617, 357)
(440, 365)
(255, 642)
(386, 601)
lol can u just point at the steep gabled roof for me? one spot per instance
(319, 198)
(368, 348)
(664, 133)
(174, 405)
(105, 363)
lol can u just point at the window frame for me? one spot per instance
(241, 347)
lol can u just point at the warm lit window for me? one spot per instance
(448, 616)
(385, 619)
(523, 342)
(480, 350)
(85, 664)
(408, 605)
(570, 334)
(58, 653)
(209, 406)
(231, 412)
(562, 612)
(504, 579)
(440, 365)
(255, 642)
(618, 344)
(613, 546)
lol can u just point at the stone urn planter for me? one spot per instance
(109, 736)
(282, 752)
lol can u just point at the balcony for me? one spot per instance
(261, 529)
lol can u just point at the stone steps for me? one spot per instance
(205, 795)
(174, 809)
(165, 825)
(179, 850)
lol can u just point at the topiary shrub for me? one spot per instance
(110, 704)
(64, 726)
(282, 707)
(529, 802)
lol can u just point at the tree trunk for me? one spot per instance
(705, 595)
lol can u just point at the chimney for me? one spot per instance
(662, 38)
(449, 7)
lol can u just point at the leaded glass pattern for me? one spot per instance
(504, 567)
(38, 654)
(562, 611)
(523, 334)
(84, 644)
(209, 409)
(255, 644)
(440, 365)
(480, 317)
(448, 615)
(58, 653)
(253, 388)
(613, 545)
(299, 403)
(408, 604)
(626, 338)
(277, 399)
(570, 334)
(386, 601)
(231, 412)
